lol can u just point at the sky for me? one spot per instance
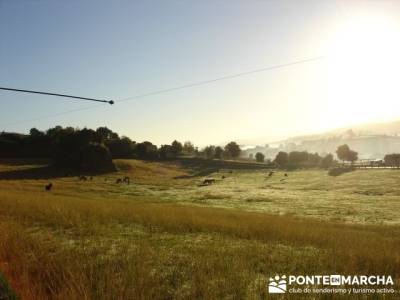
(121, 49)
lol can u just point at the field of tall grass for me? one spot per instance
(102, 240)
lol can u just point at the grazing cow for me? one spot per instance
(286, 175)
(209, 181)
(270, 174)
(127, 180)
(119, 180)
(48, 187)
(82, 178)
(223, 177)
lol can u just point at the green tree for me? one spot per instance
(209, 152)
(121, 147)
(165, 152)
(281, 159)
(218, 152)
(176, 148)
(326, 161)
(95, 157)
(344, 153)
(352, 156)
(260, 157)
(35, 133)
(188, 148)
(145, 150)
(232, 150)
(296, 158)
(392, 160)
(313, 160)
(106, 134)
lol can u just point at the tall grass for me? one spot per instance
(60, 248)
(100, 240)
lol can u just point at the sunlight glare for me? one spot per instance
(363, 72)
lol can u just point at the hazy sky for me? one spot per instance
(119, 49)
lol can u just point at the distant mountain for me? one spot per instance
(371, 141)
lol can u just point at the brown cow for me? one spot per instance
(209, 181)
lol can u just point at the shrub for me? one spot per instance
(339, 171)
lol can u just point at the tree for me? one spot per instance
(176, 148)
(188, 147)
(344, 153)
(209, 152)
(327, 161)
(232, 150)
(260, 157)
(281, 159)
(95, 157)
(392, 160)
(35, 133)
(352, 156)
(295, 158)
(121, 147)
(313, 159)
(218, 152)
(165, 152)
(106, 134)
(146, 150)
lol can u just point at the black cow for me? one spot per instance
(48, 187)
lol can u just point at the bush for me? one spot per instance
(339, 171)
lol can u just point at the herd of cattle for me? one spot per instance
(210, 181)
(127, 180)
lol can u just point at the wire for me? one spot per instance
(52, 115)
(221, 78)
(54, 94)
(168, 90)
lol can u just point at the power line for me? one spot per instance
(52, 115)
(55, 94)
(168, 90)
(204, 82)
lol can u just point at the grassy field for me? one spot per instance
(166, 236)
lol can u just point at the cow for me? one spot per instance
(48, 187)
(208, 181)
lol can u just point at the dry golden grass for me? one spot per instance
(97, 244)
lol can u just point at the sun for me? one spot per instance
(364, 69)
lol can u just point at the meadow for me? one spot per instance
(167, 236)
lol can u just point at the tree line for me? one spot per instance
(89, 149)
(304, 159)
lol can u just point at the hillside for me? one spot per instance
(371, 141)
